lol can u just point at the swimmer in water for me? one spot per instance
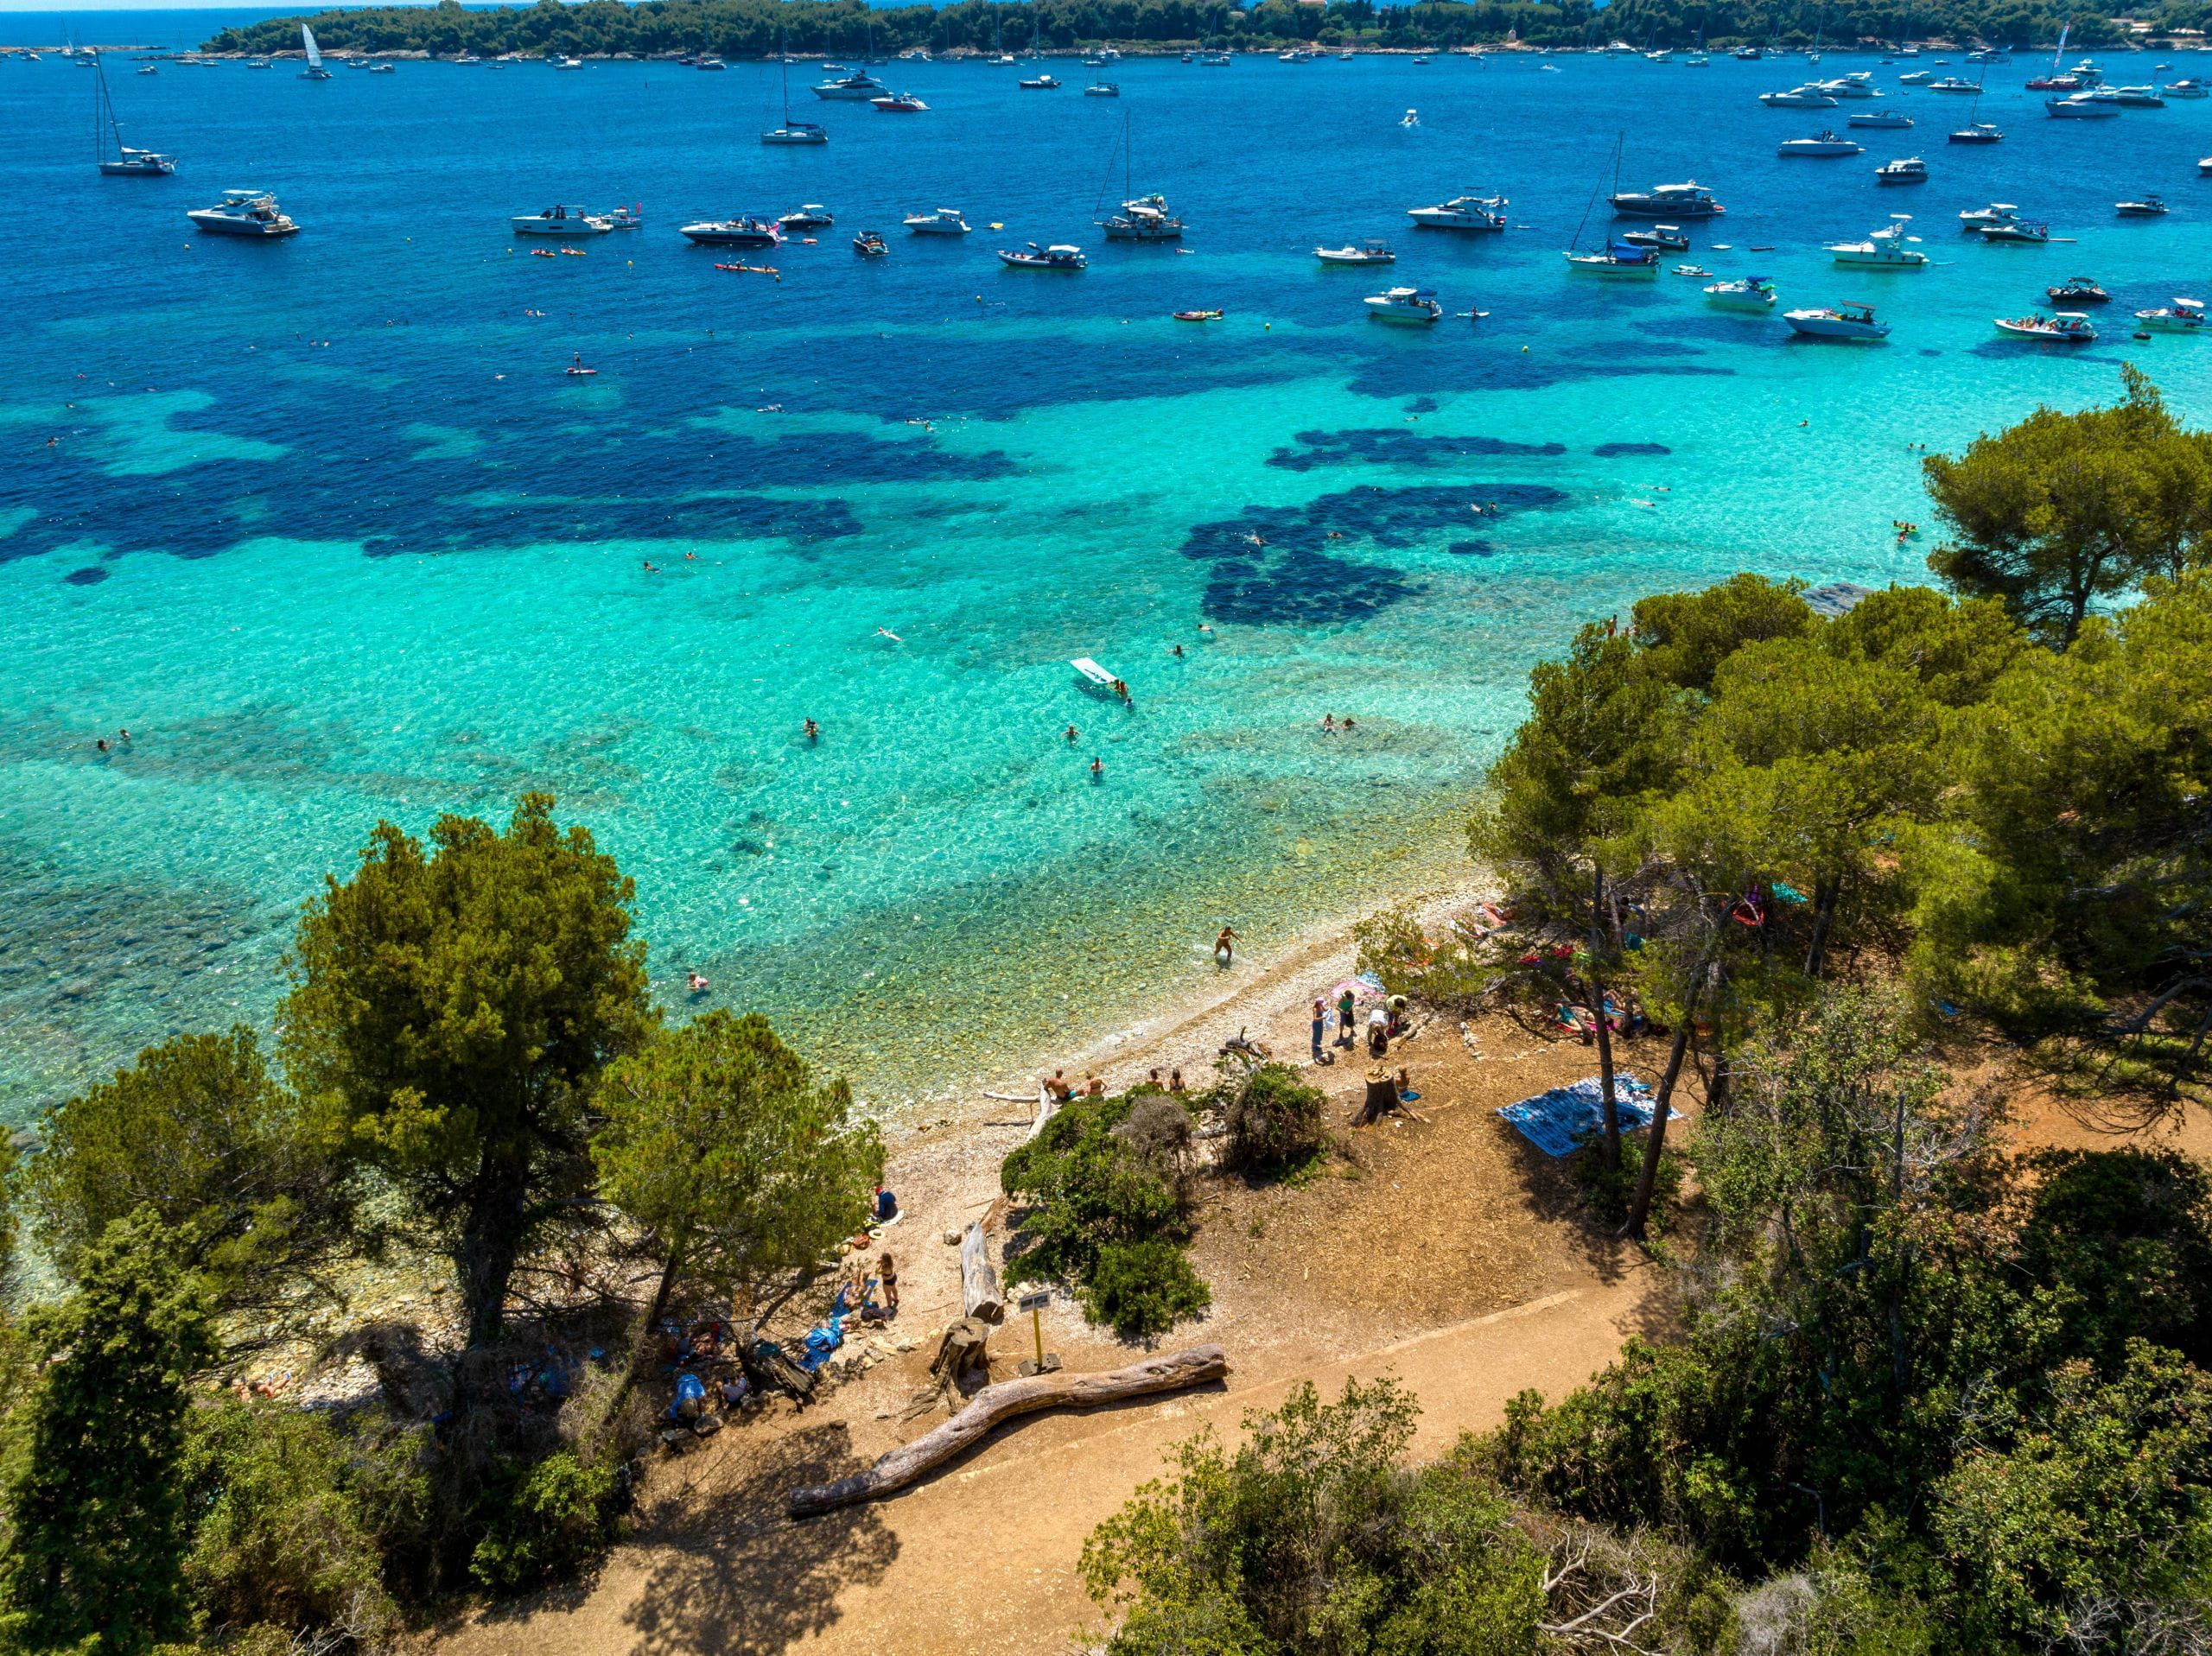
(651, 569)
(101, 743)
(1071, 735)
(1178, 652)
(1097, 768)
(886, 632)
(1206, 628)
(813, 730)
(695, 982)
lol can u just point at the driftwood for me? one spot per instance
(1171, 1373)
(979, 1284)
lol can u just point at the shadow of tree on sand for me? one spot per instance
(731, 1573)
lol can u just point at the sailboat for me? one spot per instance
(1610, 258)
(1978, 131)
(792, 131)
(315, 71)
(1141, 218)
(125, 163)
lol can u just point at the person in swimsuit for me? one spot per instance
(1097, 770)
(1071, 735)
(1224, 947)
(813, 730)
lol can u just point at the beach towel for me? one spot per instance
(1556, 1122)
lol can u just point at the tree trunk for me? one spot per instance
(1654, 1145)
(640, 1352)
(994, 1404)
(491, 1241)
(1825, 896)
(979, 1284)
(1606, 1098)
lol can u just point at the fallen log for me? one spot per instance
(1172, 1372)
(979, 1284)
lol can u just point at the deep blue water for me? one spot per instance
(326, 525)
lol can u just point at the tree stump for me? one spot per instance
(980, 1295)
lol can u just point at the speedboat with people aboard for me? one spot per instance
(1059, 256)
(2067, 327)
(1414, 306)
(1844, 322)
(2175, 316)
(809, 215)
(940, 221)
(741, 232)
(2077, 291)
(2148, 207)
(2015, 231)
(1667, 238)
(562, 221)
(869, 244)
(1997, 213)
(1747, 292)
(1462, 213)
(244, 213)
(1668, 202)
(1370, 252)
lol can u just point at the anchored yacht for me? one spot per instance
(1884, 249)
(1414, 306)
(1143, 218)
(1367, 252)
(1462, 213)
(1838, 322)
(1669, 201)
(858, 87)
(244, 213)
(1749, 292)
(943, 221)
(562, 221)
(741, 232)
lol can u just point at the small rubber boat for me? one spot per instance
(2066, 327)
(869, 245)
(1199, 315)
(2077, 291)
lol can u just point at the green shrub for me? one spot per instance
(1141, 1289)
(280, 1539)
(1275, 1121)
(1609, 1190)
(559, 1517)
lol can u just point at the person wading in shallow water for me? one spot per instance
(1224, 947)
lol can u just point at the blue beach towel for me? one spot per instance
(1556, 1122)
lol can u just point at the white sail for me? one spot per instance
(315, 52)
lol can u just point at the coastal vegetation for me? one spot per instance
(469, 1069)
(1883, 864)
(758, 28)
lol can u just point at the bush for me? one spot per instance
(1141, 1290)
(1608, 1192)
(1275, 1121)
(559, 1517)
(280, 1539)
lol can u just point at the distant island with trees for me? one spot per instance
(758, 28)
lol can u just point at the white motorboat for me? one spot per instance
(1416, 306)
(2127, 97)
(943, 221)
(1906, 169)
(1039, 83)
(2079, 107)
(315, 71)
(899, 104)
(1672, 202)
(1977, 132)
(1747, 293)
(2148, 207)
(1060, 256)
(1860, 84)
(1953, 85)
(380, 67)
(1143, 218)
(1883, 249)
(562, 221)
(2175, 317)
(1411, 118)
(2187, 86)
(1367, 252)
(1888, 120)
(809, 215)
(1617, 259)
(1827, 146)
(244, 213)
(1462, 213)
(2014, 230)
(857, 87)
(1103, 89)
(567, 66)
(741, 232)
(796, 132)
(1838, 322)
(1916, 77)
(1806, 97)
(1997, 213)
(1666, 238)
(1214, 60)
(713, 66)
(2067, 327)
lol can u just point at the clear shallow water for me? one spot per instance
(330, 531)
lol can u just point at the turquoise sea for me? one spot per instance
(324, 523)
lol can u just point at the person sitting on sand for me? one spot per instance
(1095, 1087)
(1058, 1087)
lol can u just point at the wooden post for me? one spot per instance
(979, 1283)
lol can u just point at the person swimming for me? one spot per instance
(813, 730)
(1097, 768)
(694, 982)
(1071, 735)
(886, 632)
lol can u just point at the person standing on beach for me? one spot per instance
(1320, 1023)
(1347, 1009)
(1225, 947)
